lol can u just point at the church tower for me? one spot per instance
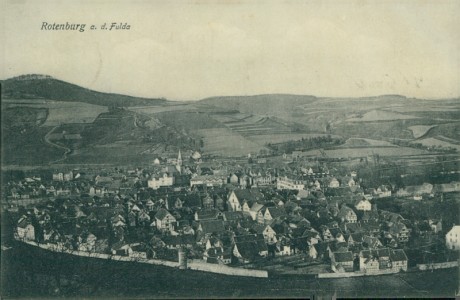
(179, 159)
(179, 162)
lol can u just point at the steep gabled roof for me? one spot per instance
(344, 211)
(249, 246)
(161, 214)
(276, 212)
(212, 226)
(398, 255)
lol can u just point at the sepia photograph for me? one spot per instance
(221, 149)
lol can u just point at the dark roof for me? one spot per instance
(176, 240)
(321, 248)
(192, 200)
(161, 214)
(248, 194)
(357, 237)
(344, 211)
(370, 226)
(233, 215)
(371, 241)
(249, 246)
(343, 256)
(23, 222)
(335, 231)
(396, 228)
(214, 252)
(276, 212)
(398, 255)
(356, 247)
(384, 252)
(212, 226)
(339, 246)
(248, 238)
(344, 192)
(207, 214)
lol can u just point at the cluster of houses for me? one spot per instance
(238, 217)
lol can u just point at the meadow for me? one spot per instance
(224, 142)
(60, 112)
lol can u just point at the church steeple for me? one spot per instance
(179, 163)
(179, 159)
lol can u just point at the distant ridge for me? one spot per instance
(38, 86)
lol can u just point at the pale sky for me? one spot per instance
(195, 49)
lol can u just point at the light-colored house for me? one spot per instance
(382, 192)
(400, 231)
(453, 238)
(271, 213)
(384, 259)
(334, 183)
(238, 196)
(25, 229)
(207, 180)
(342, 260)
(285, 183)
(164, 220)
(398, 260)
(157, 182)
(233, 202)
(363, 205)
(436, 226)
(347, 214)
(351, 182)
(87, 244)
(256, 212)
(268, 233)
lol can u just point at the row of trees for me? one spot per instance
(306, 144)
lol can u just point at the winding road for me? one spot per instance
(66, 149)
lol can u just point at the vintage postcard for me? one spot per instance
(230, 149)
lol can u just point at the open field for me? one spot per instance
(366, 152)
(361, 142)
(424, 108)
(385, 130)
(381, 115)
(420, 130)
(258, 125)
(223, 141)
(60, 112)
(449, 130)
(19, 118)
(433, 142)
(110, 154)
(187, 120)
(450, 115)
(159, 109)
(28, 148)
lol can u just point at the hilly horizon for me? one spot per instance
(39, 86)
(35, 86)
